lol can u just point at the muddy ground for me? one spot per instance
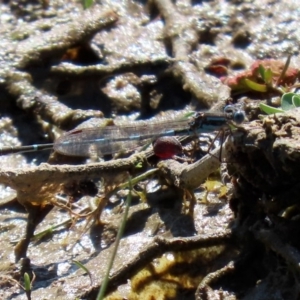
(118, 62)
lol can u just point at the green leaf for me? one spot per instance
(105, 280)
(255, 86)
(262, 71)
(269, 110)
(296, 100)
(87, 3)
(139, 165)
(187, 115)
(287, 101)
(27, 283)
(268, 76)
(84, 268)
(44, 233)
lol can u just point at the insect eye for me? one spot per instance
(238, 114)
(239, 117)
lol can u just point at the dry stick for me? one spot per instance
(59, 173)
(204, 286)
(282, 74)
(70, 70)
(49, 178)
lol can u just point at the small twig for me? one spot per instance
(209, 279)
(282, 74)
(49, 179)
(70, 70)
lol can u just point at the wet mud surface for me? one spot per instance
(124, 61)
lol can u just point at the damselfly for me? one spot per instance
(91, 142)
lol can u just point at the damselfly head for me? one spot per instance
(239, 117)
(237, 112)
